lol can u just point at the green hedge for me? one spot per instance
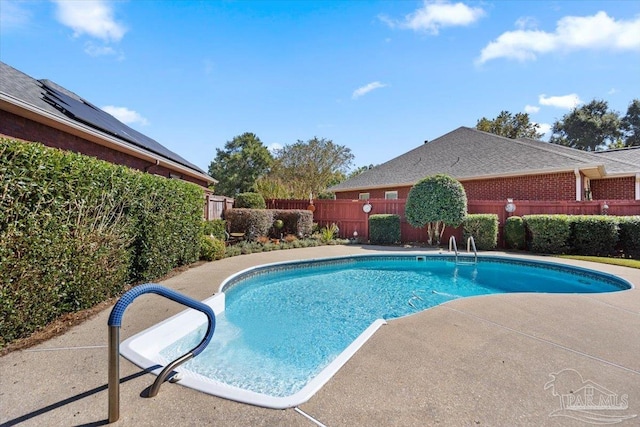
(216, 228)
(384, 229)
(483, 228)
(259, 222)
(629, 236)
(211, 248)
(514, 233)
(594, 234)
(74, 230)
(549, 233)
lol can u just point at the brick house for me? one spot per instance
(42, 111)
(492, 167)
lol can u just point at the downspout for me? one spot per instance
(638, 186)
(578, 181)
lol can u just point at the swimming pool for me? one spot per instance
(284, 329)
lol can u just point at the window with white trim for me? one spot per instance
(363, 196)
(391, 195)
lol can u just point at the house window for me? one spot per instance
(363, 196)
(391, 195)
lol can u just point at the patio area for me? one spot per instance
(478, 361)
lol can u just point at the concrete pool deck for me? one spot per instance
(475, 361)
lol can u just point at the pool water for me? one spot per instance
(283, 325)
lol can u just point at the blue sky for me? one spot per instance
(378, 77)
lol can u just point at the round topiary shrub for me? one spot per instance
(249, 201)
(435, 202)
(514, 233)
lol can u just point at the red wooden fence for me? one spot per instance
(349, 216)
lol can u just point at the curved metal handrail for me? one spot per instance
(452, 242)
(472, 243)
(115, 321)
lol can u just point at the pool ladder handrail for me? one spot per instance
(471, 243)
(115, 321)
(452, 243)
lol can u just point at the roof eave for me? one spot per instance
(31, 112)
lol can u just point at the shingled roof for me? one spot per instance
(46, 98)
(467, 154)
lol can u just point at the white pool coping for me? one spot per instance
(143, 349)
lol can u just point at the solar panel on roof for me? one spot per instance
(95, 117)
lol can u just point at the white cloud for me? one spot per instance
(531, 109)
(437, 14)
(92, 17)
(544, 128)
(13, 15)
(274, 147)
(125, 115)
(526, 22)
(612, 91)
(599, 31)
(366, 89)
(565, 101)
(95, 50)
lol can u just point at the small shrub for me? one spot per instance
(483, 228)
(514, 233)
(384, 229)
(249, 201)
(629, 236)
(549, 233)
(211, 248)
(216, 228)
(594, 234)
(328, 233)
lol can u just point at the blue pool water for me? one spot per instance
(284, 324)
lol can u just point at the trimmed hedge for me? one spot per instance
(549, 233)
(594, 234)
(259, 222)
(384, 229)
(74, 230)
(514, 233)
(483, 228)
(629, 236)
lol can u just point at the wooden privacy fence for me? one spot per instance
(349, 216)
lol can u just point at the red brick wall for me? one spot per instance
(561, 186)
(21, 128)
(613, 188)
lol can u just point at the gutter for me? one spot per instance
(31, 112)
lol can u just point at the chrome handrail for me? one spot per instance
(452, 242)
(472, 243)
(115, 321)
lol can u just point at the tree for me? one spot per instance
(237, 167)
(436, 201)
(591, 127)
(630, 124)
(358, 171)
(510, 126)
(310, 167)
